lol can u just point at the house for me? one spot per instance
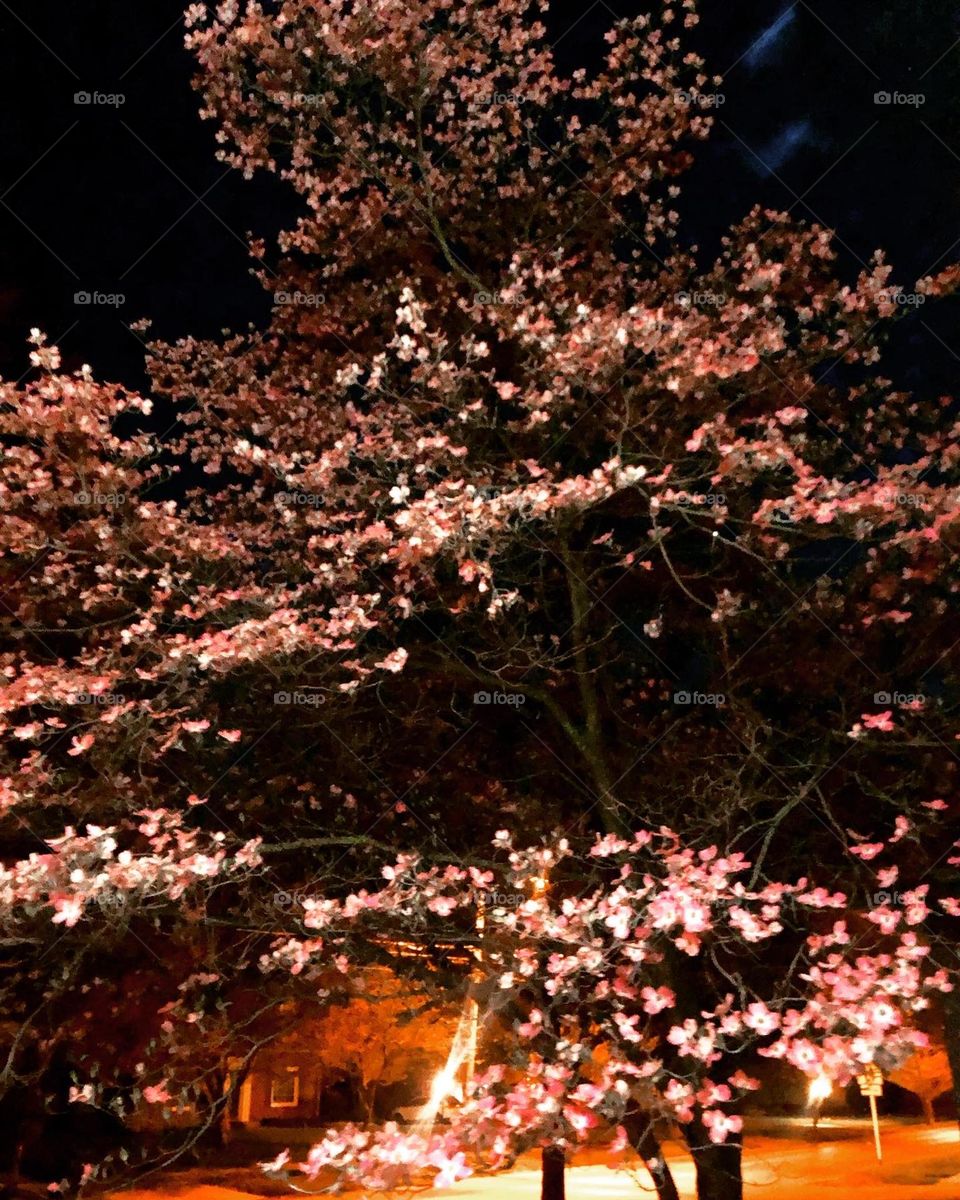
(284, 1084)
(364, 1059)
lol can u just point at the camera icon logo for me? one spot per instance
(82, 298)
(82, 98)
(481, 697)
(682, 698)
(882, 98)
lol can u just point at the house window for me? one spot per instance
(285, 1089)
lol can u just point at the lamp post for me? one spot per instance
(819, 1089)
(538, 888)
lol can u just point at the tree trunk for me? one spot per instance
(928, 1115)
(951, 1025)
(552, 1177)
(643, 1139)
(229, 1083)
(719, 1175)
(590, 739)
(368, 1098)
(215, 1094)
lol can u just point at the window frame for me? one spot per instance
(276, 1078)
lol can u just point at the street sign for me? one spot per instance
(871, 1081)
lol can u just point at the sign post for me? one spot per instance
(871, 1086)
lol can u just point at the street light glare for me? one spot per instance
(444, 1085)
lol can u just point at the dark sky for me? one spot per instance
(129, 199)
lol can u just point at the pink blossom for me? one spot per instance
(394, 661)
(867, 850)
(278, 1163)
(451, 1169)
(721, 1124)
(760, 1019)
(80, 744)
(67, 909)
(657, 999)
(879, 721)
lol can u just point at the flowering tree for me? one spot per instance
(660, 514)
(505, 438)
(609, 1031)
(926, 1073)
(381, 1033)
(517, 498)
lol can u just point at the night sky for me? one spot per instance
(129, 199)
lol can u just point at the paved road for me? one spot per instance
(837, 1164)
(784, 1163)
